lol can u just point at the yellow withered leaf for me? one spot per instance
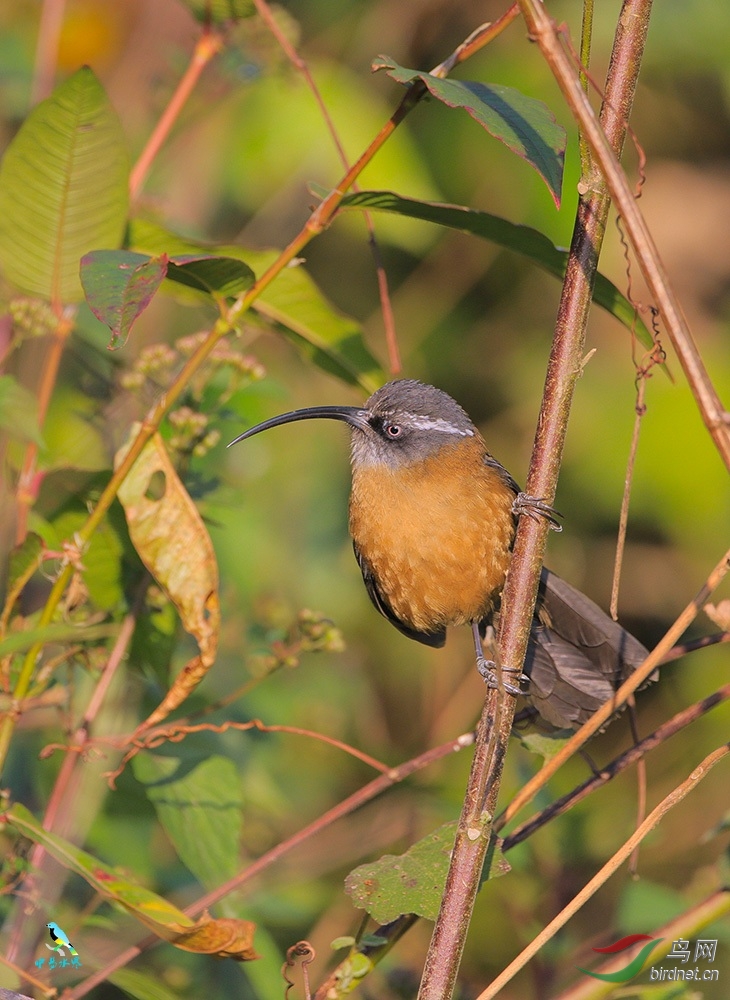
(168, 533)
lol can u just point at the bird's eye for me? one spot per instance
(393, 430)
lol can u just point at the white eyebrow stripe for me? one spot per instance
(422, 423)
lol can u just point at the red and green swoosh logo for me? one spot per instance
(635, 965)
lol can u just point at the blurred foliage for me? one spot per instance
(244, 156)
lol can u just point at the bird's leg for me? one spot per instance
(536, 508)
(487, 668)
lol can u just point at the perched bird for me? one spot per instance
(433, 517)
(60, 940)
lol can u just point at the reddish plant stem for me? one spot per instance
(518, 599)
(46, 52)
(28, 484)
(207, 46)
(550, 39)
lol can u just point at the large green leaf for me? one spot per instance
(292, 301)
(63, 189)
(523, 124)
(201, 809)
(523, 240)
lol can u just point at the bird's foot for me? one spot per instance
(536, 508)
(488, 670)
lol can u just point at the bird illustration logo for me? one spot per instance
(60, 940)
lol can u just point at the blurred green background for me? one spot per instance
(477, 322)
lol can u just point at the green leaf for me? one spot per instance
(523, 124)
(19, 411)
(220, 11)
(201, 809)
(63, 189)
(120, 284)
(413, 882)
(293, 302)
(546, 745)
(523, 240)
(221, 277)
(224, 937)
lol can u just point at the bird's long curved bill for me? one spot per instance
(349, 414)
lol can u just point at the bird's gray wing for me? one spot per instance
(577, 656)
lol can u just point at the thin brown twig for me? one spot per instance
(603, 714)
(177, 732)
(625, 760)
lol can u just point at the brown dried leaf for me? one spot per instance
(173, 543)
(226, 937)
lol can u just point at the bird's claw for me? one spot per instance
(536, 508)
(488, 670)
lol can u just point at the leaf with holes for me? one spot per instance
(414, 882)
(168, 533)
(63, 189)
(200, 806)
(523, 124)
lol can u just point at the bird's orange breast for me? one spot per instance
(436, 534)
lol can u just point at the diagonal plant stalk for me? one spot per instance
(551, 40)
(209, 44)
(637, 752)
(320, 218)
(518, 601)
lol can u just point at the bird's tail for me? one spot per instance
(577, 656)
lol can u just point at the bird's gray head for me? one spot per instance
(407, 422)
(403, 422)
